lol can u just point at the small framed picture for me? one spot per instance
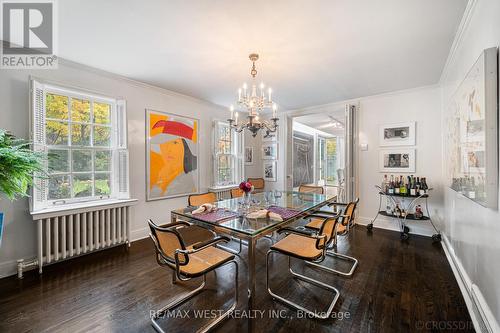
(248, 155)
(269, 136)
(397, 160)
(270, 171)
(398, 134)
(270, 151)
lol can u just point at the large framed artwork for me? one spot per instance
(397, 160)
(472, 138)
(398, 134)
(172, 147)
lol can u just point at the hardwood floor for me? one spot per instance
(398, 287)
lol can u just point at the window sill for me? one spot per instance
(222, 187)
(81, 207)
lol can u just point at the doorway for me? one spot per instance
(322, 144)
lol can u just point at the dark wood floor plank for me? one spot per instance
(397, 287)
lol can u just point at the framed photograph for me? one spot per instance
(270, 171)
(397, 160)
(270, 151)
(398, 134)
(271, 136)
(472, 139)
(248, 155)
(172, 148)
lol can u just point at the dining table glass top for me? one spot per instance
(293, 203)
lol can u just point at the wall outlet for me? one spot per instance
(364, 146)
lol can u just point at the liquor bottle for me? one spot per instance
(402, 187)
(391, 185)
(413, 189)
(418, 186)
(385, 184)
(425, 188)
(418, 212)
(396, 186)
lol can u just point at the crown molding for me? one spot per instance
(137, 83)
(459, 35)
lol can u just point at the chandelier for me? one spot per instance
(254, 101)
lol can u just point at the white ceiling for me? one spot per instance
(312, 52)
(324, 121)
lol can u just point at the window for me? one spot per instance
(84, 137)
(228, 161)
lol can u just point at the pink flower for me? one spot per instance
(245, 187)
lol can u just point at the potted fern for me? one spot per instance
(18, 163)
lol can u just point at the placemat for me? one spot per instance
(285, 213)
(217, 215)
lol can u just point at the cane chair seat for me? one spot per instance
(298, 246)
(205, 260)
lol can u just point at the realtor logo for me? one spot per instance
(28, 35)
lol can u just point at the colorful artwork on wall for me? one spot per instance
(472, 139)
(171, 155)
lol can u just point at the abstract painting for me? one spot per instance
(472, 138)
(171, 155)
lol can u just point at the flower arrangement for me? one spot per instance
(246, 187)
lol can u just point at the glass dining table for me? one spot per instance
(231, 219)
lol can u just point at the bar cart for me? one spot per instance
(409, 205)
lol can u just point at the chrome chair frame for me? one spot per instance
(178, 274)
(303, 277)
(332, 252)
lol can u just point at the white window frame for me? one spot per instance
(237, 144)
(119, 183)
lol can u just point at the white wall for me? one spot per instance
(474, 231)
(255, 170)
(19, 238)
(422, 106)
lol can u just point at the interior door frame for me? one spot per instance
(350, 145)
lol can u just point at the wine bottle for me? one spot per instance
(396, 186)
(385, 184)
(391, 185)
(413, 189)
(418, 186)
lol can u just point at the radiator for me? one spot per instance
(70, 233)
(222, 193)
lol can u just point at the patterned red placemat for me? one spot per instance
(216, 215)
(285, 213)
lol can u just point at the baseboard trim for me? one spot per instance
(483, 319)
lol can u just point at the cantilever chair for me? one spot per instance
(189, 262)
(311, 189)
(210, 197)
(236, 193)
(310, 247)
(346, 222)
(200, 199)
(258, 184)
